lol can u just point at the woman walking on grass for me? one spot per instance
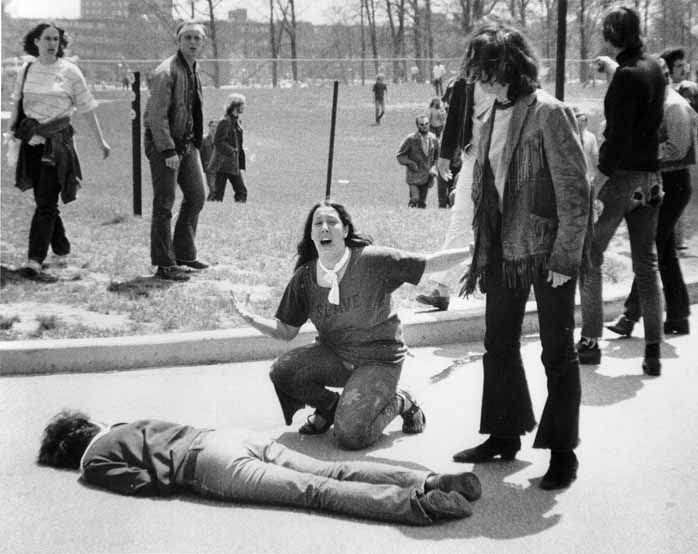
(47, 93)
(343, 284)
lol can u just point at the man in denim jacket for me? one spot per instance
(173, 133)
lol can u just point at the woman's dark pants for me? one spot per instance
(46, 226)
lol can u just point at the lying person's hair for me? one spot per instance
(65, 439)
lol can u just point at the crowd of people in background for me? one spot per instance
(534, 203)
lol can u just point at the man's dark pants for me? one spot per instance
(165, 248)
(236, 181)
(506, 403)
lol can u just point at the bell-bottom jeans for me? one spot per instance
(507, 410)
(166, 248)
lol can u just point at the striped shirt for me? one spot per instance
(54, 90)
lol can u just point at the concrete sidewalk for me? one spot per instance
(463, 322)
(636, 493)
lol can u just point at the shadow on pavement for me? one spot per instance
(505, 511)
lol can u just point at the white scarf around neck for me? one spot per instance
(331, 274)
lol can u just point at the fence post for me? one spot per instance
(136, 140)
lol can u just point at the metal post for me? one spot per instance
(328, 186)
(136, 140)
(561, 47)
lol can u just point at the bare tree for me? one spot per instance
(370, 7)
(214, 43)
(428, 30)
(473, 11)
(417, 38)
(397, 34)
(288, 11)
(274, 43)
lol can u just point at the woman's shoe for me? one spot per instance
(504, 447)
(311, 428)
(413, 419)
(327, 416)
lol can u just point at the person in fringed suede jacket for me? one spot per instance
(532, 217)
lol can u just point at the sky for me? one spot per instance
(314, 11)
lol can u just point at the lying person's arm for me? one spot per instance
(120, 477)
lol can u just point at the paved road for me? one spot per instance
(637, 490)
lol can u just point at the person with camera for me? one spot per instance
(628, 183)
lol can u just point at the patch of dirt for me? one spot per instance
(30, 316)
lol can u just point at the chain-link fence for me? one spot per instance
(263, 72)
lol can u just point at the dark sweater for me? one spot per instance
(633, 108)
(140, 458)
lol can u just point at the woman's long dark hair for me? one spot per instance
(499, 52)
(306, 250)
(65, 439)
(35, 33)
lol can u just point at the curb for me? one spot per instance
(30, 357)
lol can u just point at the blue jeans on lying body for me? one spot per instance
(368, 403)
(619, 202)
(166, 248)
(232, 466)
(677, 193)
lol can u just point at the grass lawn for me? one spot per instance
(106, 289)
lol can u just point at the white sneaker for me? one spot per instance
(59, 260)
(31, 267)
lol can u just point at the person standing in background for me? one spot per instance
(206, 151)
(48, 92)
(418, 153)
(228, 161)
(379, 91)
(173, 123)
(628, 182)
(438, 73)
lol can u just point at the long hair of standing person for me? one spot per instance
(498, 52)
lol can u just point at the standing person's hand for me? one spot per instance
(106, 149)
(606, 64)
(443, 166)
(172, 162)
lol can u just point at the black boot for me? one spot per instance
(562, 470)
(504, 447)
(651, 365)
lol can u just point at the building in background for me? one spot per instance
(122, 9)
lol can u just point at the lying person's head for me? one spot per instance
(65, 439)
(343, 230)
